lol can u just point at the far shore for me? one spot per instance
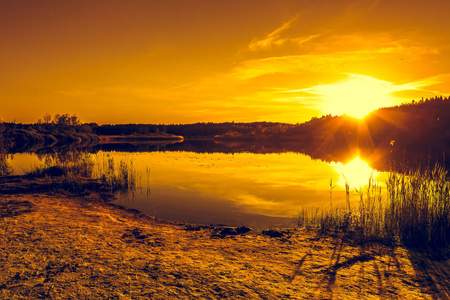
(139, 137)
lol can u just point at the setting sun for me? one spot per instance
(356, 96)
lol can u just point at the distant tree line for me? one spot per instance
(199, 130)
(49, 123)
(58, 119)
(407, 127)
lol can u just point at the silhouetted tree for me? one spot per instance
(56, 119)
(74, 121)
(47, 118)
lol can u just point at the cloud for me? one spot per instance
(272, 38)
(181, 86)
(436, 79)
(297, 47)
(389, 86)
(282, 37)
(250, 69)
(328, 52)
(377, 43)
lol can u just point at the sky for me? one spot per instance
(186, 61)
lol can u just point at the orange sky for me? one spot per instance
(167, 61)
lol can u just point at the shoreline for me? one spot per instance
(138, 138)
(60, 245)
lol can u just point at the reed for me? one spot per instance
(71, 169)
(418, 207)
(5, 168)
(120, 176)
(415, 211)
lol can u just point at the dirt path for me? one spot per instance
(59, 247)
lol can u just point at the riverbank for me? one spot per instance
(60, 246)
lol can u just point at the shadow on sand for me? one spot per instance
(370, 270)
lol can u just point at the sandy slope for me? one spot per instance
(60, 247)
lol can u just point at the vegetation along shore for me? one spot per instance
(59, 245)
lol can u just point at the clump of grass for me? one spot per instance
(5, 168)
(418, 207)
(72, 169)
(415, 211)
(121, 177)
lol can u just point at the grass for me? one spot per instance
(5, 168)
(119, 176)
(415, 211)
(72, 168)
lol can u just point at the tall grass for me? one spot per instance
(418, 207)
(75, 167)
(415, 210)
(5, 168)
(118, 176)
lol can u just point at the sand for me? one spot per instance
(57, 246)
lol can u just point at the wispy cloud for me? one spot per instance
(391, 87)
(374, 43)
(272, 38)
(281, 37)
(326, 52)
(250, 69)
(181, 86)
(293, 47)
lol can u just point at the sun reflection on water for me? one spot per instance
(357, 173)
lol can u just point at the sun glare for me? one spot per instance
(356, 96)
(357, 173)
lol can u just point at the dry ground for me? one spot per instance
(63, 247)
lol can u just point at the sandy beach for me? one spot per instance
(58, 246)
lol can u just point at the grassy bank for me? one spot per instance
(72, 168)
(415, 211)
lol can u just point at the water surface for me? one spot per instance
(258, 190)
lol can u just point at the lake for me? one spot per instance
(251, 189)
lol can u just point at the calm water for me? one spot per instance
(257, 190)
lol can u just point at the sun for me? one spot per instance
(355, 96)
